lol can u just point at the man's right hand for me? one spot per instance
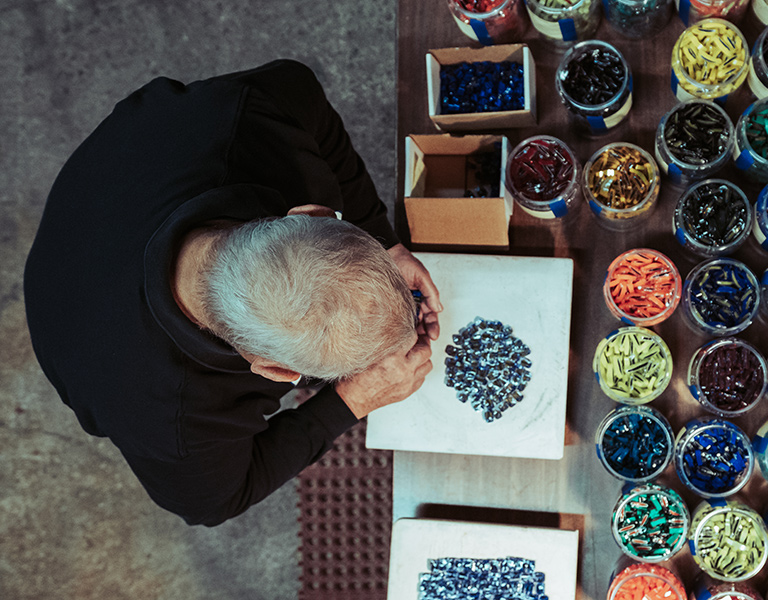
(390, 380)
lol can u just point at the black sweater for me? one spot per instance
(183, 406)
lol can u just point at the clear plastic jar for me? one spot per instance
(642, 287)
(728, 540)
(760, 8)
(758, 66)
(632, 580)
(712, 218)
(594, 83)
(713, 457)
(728, 376)
(691, 11)
(750, 150)
(650, 522)
(637, 19)
(543, 177)
(721, 296)
(634, 443)
(722, 42)
(708, 588)
(563, 22)
(633, 365)
(694, 140)
(621, 184)
(490, 21)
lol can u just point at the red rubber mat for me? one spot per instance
(345, 503)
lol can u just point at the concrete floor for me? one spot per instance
(74, 523)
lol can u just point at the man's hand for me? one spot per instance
(418, 278)
(390, 380)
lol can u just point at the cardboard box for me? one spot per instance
(486, 121)
(436, 177)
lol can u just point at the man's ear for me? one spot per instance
(271, 369)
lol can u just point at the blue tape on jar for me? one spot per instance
(694, 391)
(596, 123)
(721, 99)
(675, 174)
(684, 10)
(765, 245)
(596, 208)
(568, 30)
(559, 208)
(680, 236)
(692, 547)
(702, 591)
(764, 279)
(760, 444)
(744, 161)
(599, 454)
(674, 83)
(481, 31)
(717, 502)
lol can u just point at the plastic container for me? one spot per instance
(490, 21)
(562, 22)
(728, 376)
(634, 443)
(621, 184)
(637, 19)
(543, 177)
(719, 40)
(694, 140)
(712, 218)
(760, 9)
(760, 448)
(594, 83)
(650, 522)
(718, 308)
(708, 588)
(713, 457)
(758, 66)
(750, 150)
(728, 540)
(642, 287)
(760, 221)
(633, 365)
(691, 11)
(631, 580)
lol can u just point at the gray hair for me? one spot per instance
(316, 294)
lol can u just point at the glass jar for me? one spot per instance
(721, 297)
(490, 21)
(708, 588)
(750, 150)
(642, 287)
(719, 40)
(621, 185)
(758, 66)
(712, 218)
(650, 522)
(713, 457)
(691, 11)
(728, 376)
(637, 19)
(594, 83)
(632, 365)
(693, 141)
(564, 22)
(634, 443)
(632, 580)
(760, 8)
(543, 177)
(728, 540)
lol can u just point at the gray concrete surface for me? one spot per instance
(74, 523)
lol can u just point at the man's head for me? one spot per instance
(317, 295)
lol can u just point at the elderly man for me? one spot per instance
(192, 265)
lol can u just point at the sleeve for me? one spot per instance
(222, 479)
(295, 91)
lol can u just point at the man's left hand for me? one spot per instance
(418, 278)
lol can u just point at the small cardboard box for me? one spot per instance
(484, 121)
(436, 177)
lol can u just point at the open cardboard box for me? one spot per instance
(485, 121)
(436, 177)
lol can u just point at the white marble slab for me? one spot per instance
(414, 541)
(531, 294)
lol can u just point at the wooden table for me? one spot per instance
(574, 490)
